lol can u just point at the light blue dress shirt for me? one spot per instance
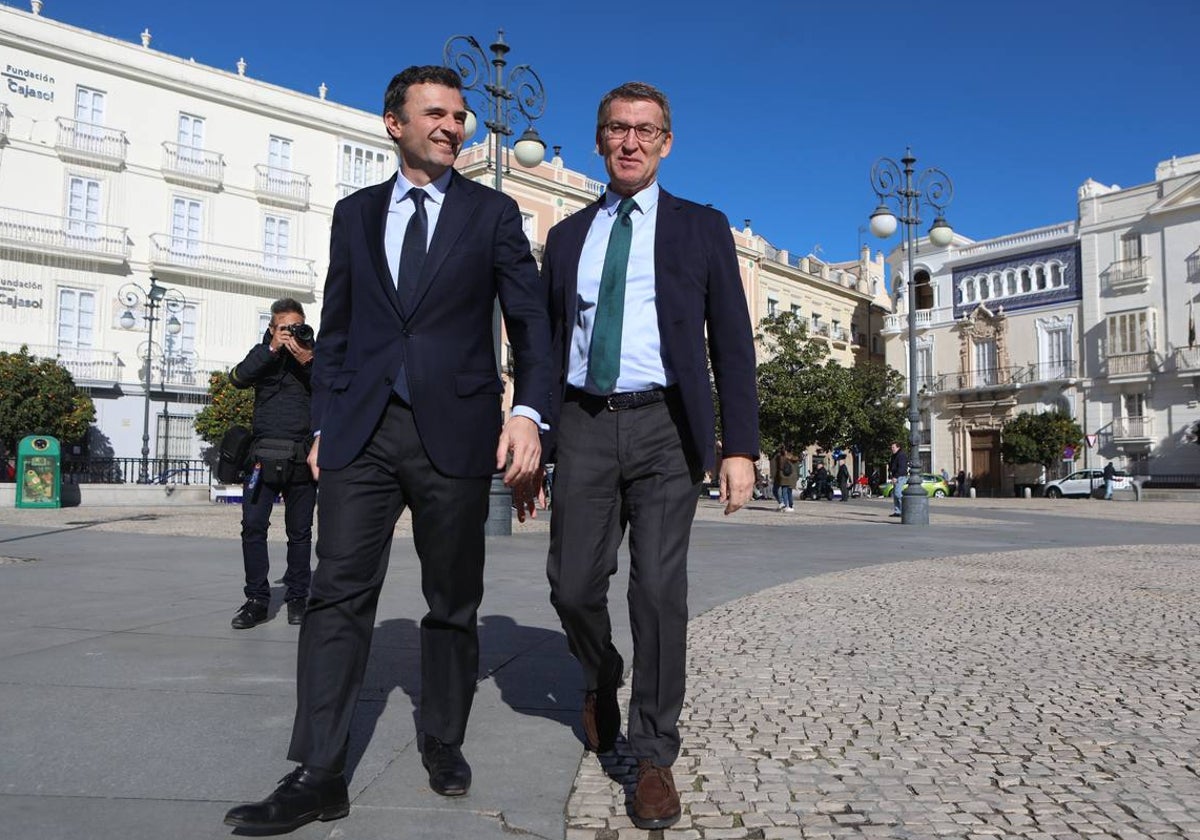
(400, 211)
(642, 365)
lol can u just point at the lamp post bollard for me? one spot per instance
(521, 92)
(898, 185)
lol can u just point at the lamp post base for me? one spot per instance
(914, 508)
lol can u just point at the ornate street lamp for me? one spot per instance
(133, 296)
(521, 92)
(906, 192)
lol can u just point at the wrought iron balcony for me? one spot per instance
(193, 258)
(87, 365)
(1049, 371)
(1187, 359)
(1133, 429)
(281, 186)
(193, 167)
(88, 143)
(978, 380)
(41, 233)
(1130, 275)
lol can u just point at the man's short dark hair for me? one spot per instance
(397, 90)
(634, 90)
(286, 305)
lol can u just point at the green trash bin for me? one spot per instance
(39, 473)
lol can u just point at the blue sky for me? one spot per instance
(780, 109)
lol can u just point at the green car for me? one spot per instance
(934, 486)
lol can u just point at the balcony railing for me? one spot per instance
(1133, 428)
(1193, 265)
(182, 370)
(840, 334)
(1126, 364)
(1130, 275)
(1005, 377)
(926, 318)
(3, 122)
(281, 186)
(89, 143)
(194, 167)
(1187, 359)
(190, 257)
(1049, 371)
(41, 233)
(87, 365)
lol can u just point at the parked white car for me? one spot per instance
(1083, 482)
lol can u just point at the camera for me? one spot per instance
(303, 333)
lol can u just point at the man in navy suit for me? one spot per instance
(641, 284)
(406, 402)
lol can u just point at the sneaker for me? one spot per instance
(781, 506)
(295, 610)
(251, 613)
(791, 509)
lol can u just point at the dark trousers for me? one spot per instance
(359, 508)
(616, 470)
(298, 502)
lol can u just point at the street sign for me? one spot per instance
(1068, 453)
(1091, 441)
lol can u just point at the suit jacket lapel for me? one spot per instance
(666, 245)
(457, 209)
(375, 212)
(573, 238)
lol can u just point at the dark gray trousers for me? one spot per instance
(618, 469)
(358, 510)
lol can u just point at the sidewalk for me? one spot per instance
(834, 691)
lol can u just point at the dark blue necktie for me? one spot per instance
(412, 251)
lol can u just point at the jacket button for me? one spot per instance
(387, 381)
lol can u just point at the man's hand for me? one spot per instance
(737, 481)
(530, 495)
(520, 438)
(312, 458)
(302, 354)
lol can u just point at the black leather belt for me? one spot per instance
(619, 402)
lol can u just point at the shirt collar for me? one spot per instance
(435, 190)
(646, 200)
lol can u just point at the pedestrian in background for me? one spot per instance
(278, 369)
(1110, 473)
(843, 480)
(898, 468)
(784, 475)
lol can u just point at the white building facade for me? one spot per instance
(1092, 317)
(119, 163)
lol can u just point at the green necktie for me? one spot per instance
(604, 354)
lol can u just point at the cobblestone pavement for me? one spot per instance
(1033, 694)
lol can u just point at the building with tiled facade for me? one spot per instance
(1087, 316)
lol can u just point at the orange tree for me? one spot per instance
(39, 397)
(229, 406)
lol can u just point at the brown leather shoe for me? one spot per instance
(655, 802)
(601, 719)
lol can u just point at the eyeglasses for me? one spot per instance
(645, 132)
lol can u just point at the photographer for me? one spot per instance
(278, 369)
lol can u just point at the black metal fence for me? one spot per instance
(1170, 481)
(129, 471)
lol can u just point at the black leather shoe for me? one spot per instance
(449, 773)
(251, 613)
(295, 610)
(304, 795)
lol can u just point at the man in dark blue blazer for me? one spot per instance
(642, 285)
(406, 403)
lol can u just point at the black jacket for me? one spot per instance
(282, 393)
(898, 464)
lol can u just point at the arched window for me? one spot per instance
(969, 290)
(1026, 282)
(985, 291)
(1039, 274)
(1010, 282)
(1056, 275)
